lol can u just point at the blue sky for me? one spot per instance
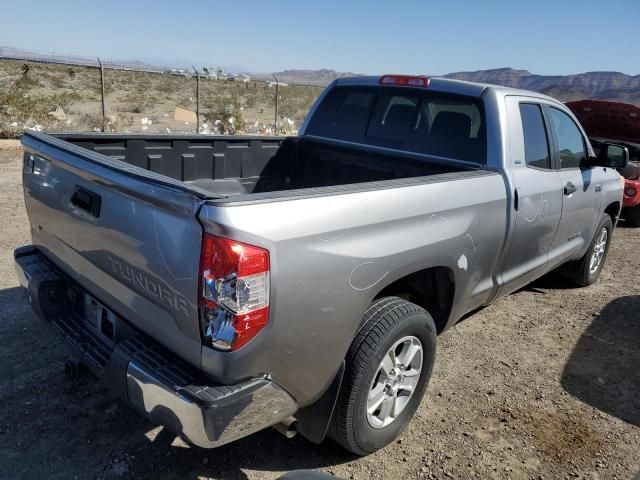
(545, 37)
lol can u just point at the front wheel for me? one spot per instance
(586, 271)
(388, 367)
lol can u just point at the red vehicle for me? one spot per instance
(619, 123)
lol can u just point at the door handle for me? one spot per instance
(569, 188)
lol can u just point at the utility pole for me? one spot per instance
(275, 117)
(102, 86)
(197, 99)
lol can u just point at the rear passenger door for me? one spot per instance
(537, 193)
(581, 184)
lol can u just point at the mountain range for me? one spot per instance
(613, 86)
(320, 77)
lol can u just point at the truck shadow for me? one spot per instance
(550, 281)
(265, 451)
(604, 367)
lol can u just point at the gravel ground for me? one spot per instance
(543, 384)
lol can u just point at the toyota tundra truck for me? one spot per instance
(225, 284)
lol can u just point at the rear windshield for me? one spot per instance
(415, 120)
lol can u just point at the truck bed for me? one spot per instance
(223, 166)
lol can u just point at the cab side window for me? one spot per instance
(536, 144)
(571, 147)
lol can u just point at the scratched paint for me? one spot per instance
(168, 243)
(545, 210)
(331, 211)
(532, 207)
(366, 275)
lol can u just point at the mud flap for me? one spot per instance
(313, 420)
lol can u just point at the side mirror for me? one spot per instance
(612, 155)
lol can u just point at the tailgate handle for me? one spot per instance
(86, 200)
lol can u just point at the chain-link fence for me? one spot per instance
(67, 93)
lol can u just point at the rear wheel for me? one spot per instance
(388, 367)
(586, 271)
(632, 216)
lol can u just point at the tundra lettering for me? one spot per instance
(153, 287)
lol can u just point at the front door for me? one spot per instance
(581, 185)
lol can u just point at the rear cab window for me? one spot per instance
(536, 142)
(409, 119)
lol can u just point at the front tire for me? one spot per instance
(586, 271)
(388, 367)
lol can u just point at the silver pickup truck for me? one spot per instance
(224, 284)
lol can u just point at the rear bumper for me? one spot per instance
(152, 380)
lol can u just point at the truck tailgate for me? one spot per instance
(128, 236)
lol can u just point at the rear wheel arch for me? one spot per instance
(431, 288)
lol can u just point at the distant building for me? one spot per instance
(178, 71)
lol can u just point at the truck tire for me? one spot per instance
(388, 367)
(586, 271)
(632, 216)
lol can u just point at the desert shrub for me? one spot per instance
(170, 84)
(294, 99)
(250, 100)
(130, 107)
(27, 82)
(135, 102)
(22, 106)
(225, 114)
(89, 121)
(57, 81)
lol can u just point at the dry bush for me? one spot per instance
(170, 84)
(135, 102)
(89, 121)
(295, 99)
(225, 115)
(22, 105)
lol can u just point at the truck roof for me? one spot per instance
(449, 85)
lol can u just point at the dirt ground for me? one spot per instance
(543, 384)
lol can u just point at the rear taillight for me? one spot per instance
(234, 302)
(405, 80)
